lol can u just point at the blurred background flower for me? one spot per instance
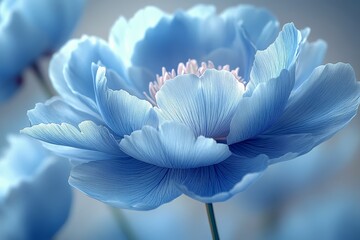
(35, 197)
(28, 30)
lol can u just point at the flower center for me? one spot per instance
(191, 67)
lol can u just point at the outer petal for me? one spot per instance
(277, 147)
(56, 71)
(197, 34)
(204, 104)
(195, 37)
(323, 105)
(122, 112)
(57, 111)
(156, 49)
(311, 56)
(88, 136)
(256, 113)
(202, 11)
(260, 26)
(125, 35)
(71, 70)
(221, 181)
(125, 183)
(280, 55)
(78, 69)
(318, 109)
(79, 156)
(173, 146)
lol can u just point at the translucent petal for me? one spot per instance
(259, 24)
(280, 55)
(311, 56)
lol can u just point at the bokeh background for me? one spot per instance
(316, 196)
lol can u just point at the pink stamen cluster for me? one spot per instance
(191, 67)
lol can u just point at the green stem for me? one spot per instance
(212, 221)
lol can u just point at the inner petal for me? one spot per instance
(204, 100)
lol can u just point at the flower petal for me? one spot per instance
(79, 156)
(185, 30)
(125, 183)
(140, 79)
(238, 54)
(206, 104)
(125, 35)
(71, 70)
(259, 24)
(78, 69)
(323, 105)
(256, 113)
(173, 146)
(276, 147)
(221, 181)
(56, 71)
(311, 56)
(122, 112)
(88, 136)
(280, 55)
(318, 109)
(202, 11)
(156, 49)
(57, 111)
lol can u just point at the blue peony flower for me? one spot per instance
(198, 130)
(29, 29)
(35, 197)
